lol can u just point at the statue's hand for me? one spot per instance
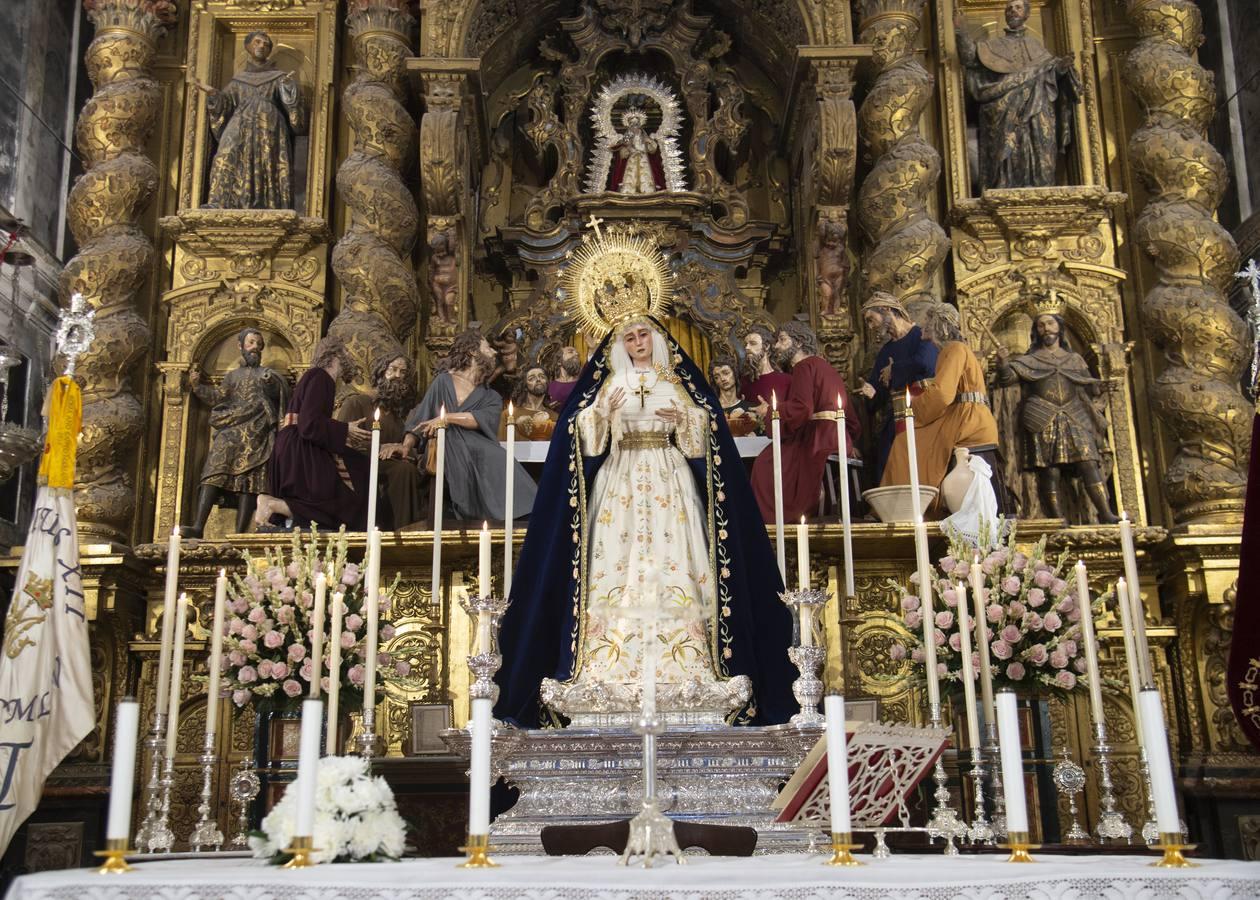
(885, 374)
(959, 21)
(616, 399)
(867, 390)
(194, 379)
(358, 437)
(1003, 355)
(204, 88)
(393, 451)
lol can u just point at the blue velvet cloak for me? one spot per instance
(540, 634)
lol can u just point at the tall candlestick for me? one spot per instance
(479, 768)
(648, 681)
(777, 458)
(912, 450)
(1156, 740)
(334, 672)
(1141, 644)
(483, 561)
(122, 777)
(1010, 749)
(317, 633)
(374, 469)
(1090, 641)
(510, 480)
(929, 618)
(802, 555)
(216, 654)
(308, 766)
(168, 620)
(177, 675)
(1130, 656)
(842, 441)
(968, 671)
(439, 486)
(982, 641)
(837, 764)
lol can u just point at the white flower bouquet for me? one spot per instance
(356, 818)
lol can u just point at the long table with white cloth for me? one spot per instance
(784, 877)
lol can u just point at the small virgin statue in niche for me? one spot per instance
(637, 165)
(254, 120)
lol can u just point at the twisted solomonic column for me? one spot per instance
(115, 257)
(380, 301)
(1205, 344)
(906, 245)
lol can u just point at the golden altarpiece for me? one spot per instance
(808, 154)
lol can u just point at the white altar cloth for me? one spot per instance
(795, 877)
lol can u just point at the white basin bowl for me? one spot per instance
(893, 503)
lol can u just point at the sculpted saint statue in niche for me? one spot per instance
(254, 120)
(1025, 96)
(637, 168)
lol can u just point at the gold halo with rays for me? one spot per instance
(613, 277)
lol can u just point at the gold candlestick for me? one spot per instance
(300, 848)
(1017, 842)
(477, 848)
(114, 854)
(842, 848)
(1172, 846)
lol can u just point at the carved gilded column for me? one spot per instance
(115, 257)
(380, 300)
(1205, 344)
(906, 245)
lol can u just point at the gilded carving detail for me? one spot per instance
(1186, 313)
(115, 257)
(380, 302)
(906, 245)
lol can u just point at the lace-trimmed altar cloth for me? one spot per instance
(798, 877)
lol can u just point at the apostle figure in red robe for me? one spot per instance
(319, 468)
(807, 422)
(761, 378)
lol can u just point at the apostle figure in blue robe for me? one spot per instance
(905, 359)
(644, 503)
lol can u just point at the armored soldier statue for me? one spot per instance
(245, 413)
(1062, 429)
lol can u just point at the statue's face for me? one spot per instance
(1016, 13)
(754, 346)
(1048, 330)
(723, 378)
(259, 47)
(638, 343)
(784, 349)
(396, 369)
(252, 348)
(536, 381)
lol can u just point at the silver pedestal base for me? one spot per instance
(716, 774)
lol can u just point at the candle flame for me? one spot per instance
(376, 416)
(511, 409)
(840, 403)
(907, 398)
(975, 558)
(175, 532)
(485, 526)
(1124, 516)
(774, 400)
(442, 412)
(223, 573)
(802, 520)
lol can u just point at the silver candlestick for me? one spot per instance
(161, 838)
(243, 788)
(487, 614)
(1150, 831)
(945, 822)
(206, 832)
(980, 832)
(1111, 822)
(805, 653)
(1069, 779)
(995, 781)
(651, 831)
(154, 744)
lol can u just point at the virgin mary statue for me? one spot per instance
(644, 502)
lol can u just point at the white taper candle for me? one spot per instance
(479, 768)
(374, 469)
(1130, 656)
(510, 480)
(334, 671)
(216, 654)
(912, 459)
(1157, 756)
(837, 763)
(1090, 640)
(168, 620)
(122, 777)
(802, 555)
(308, 766)
(1010, 749)
(846, 521)
(968, 671)
(929, 616)
(177, 674)
(372, 613)
(317, 633)
(980, 605)
(776, 451)
(439, 487)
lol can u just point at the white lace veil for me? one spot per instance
(620, 359)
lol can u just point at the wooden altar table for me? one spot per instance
(795, 877)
